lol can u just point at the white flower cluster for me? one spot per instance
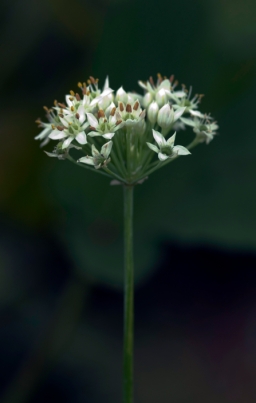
(129, 122)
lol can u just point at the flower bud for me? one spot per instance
(161, 97)
(121, 95)
(153, 112)
(147, 99)
(165, 116)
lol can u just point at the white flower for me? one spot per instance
(183, 99)
(152, 112)
(70, 129)
(166, 116)
(166, 148)
(104, 126)
(131, 114)
(160, 92)
(59, 152)
(98, 159)
(204, 129)
(47, 127)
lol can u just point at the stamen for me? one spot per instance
(101, 114)
(72, 93)
(121, 106)
(77, 115)
(78, 97)
(113, 111)
(62, 105)
(128, 108)
(72, 108)
(118, 122)
(60, 128)
(151, 81)
(136, 106)
(159, 78)
(55, 102)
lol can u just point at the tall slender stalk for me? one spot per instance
(128, 295)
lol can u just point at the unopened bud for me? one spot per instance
(161, 97)
(153, 112)
(165, 116)
(147, 99)
(121, 95)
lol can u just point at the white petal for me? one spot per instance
(64, 121)
(81, 117)
(85, 125)
(43, 133)
(86, 100)
(153, 148)
(95, 152)
(81, 138)
(166, 84)
(162, 157)
(188, 122)
(108, 135)
(178, 113)
(56, 135)
(106, 92)
(159, 138)
(106, 149)
(102, 95)
(67, 142)
(68, 102)
(142, 85)
(171, 140)
(181, 150)
(86, 160)
(92, 120)
(51, 154)
(106, 84)
(179, 94)
(196, 113)
(94, 134)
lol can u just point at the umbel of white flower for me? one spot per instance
(128, 128)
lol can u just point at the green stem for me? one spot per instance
(128, 295)
(120, 155)
(111, 174)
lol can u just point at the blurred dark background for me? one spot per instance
(61, 227)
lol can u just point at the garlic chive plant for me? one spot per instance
(125, 136)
